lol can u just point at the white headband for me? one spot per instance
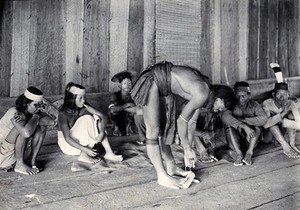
(32, 96)
(76, 91)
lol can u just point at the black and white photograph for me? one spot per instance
(149, 104)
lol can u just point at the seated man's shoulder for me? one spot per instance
(254, 103)
(10, 113)
(268, 101)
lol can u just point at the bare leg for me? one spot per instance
(233, 139)
(287, 150)
(204, 156)
(139, 122)
(102, 138)
(151, 117)
(36, 143)
(172, 168)
(20, 166)
(252, 144)
(292, 138)
(109, 154)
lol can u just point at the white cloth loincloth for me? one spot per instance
(85, 131)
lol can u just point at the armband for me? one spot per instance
(183, 119)
(110, 106)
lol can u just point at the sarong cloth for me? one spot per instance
(7, 150)
(159, 73)
(84, 131)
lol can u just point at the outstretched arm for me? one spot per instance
(189, 112)
(192, 126)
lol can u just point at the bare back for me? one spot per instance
(187, 84)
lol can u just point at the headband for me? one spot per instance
(277, 71)
(243, 88)
(33, 96)
(76, 91)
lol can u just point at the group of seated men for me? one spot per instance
(152, 105)
(244, 120)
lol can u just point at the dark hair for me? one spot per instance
(22, 101)
(126, 75)
(69, 100)
(241, 84)
(226, 93)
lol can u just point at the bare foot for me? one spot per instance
(176, 171)
(247, 159)
(117, 133)
(296, 149)
(238, 161)
(113, 157)
(205, 158)
(291, 153)
(171, 182)
(26, 170)
(83, 157)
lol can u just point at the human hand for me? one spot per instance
(47, 121)
(19, 116)
(91, 152)
(287, 107)
(249, 131)
(129, 105)
(189, 158)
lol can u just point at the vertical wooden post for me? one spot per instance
(118, 37)
(216, 52)
(20, 47)
(74, 40)
(6, 20)
(243, 28)
(135, 52)
(149, 32)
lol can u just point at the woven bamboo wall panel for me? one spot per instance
(178, 32)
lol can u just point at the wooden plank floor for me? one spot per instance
(272, 182)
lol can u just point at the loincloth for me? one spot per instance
(159, 73)
(84, 131)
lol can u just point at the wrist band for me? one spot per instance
(183, 119)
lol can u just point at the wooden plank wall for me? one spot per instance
(52, 42)
(238, 37)
(5, 46)
(95, 66)
(47, 46)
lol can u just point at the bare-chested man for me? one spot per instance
(166, 80)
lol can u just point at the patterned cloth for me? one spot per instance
(160, 74)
